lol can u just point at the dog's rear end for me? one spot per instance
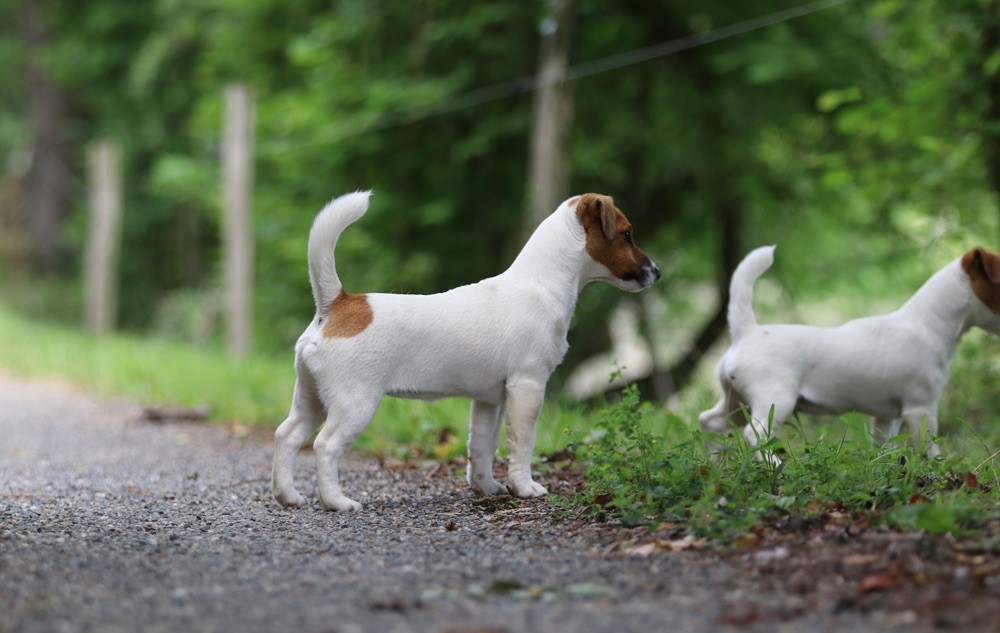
(893, 367)
(742, 321)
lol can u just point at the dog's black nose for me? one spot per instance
(656, 272)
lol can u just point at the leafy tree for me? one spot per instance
(862, 139)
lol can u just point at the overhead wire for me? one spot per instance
(530, 83)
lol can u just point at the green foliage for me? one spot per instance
(949, 512)
(853, 132)
(641, 478)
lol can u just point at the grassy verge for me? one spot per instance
(253, 391)
(151, 371)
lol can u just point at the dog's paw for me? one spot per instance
(713, 423)
(527, 490)
(290, 499)
(342, 504)
(770, 457)
(491, 487)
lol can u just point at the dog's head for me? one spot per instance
(611, 245)
(983, 268)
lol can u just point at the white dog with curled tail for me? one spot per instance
(496, 341)
(892, 367)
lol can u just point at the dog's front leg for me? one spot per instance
(884, 429)
(916, 419)
(484, 435)
(524, 403)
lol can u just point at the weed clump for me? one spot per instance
(714, 485)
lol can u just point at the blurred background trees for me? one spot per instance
(862, 137)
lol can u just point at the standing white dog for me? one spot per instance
(496, 341)
(893, 367)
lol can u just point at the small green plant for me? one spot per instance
(716, 485)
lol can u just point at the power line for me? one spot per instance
(521, 85)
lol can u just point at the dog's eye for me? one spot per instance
(628, 236)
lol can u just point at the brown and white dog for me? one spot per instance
(496, 341)
(892, 367)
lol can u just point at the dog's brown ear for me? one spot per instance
(600, 209)
(981, 262)
(609, 220)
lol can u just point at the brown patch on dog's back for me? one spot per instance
(983, 269)
(349, 315)
(606, 228)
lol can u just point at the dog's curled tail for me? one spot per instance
(326, 230)
(741, 316)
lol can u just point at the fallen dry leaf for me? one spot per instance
(603, 498)
(747, 540)
(688, 542)
(644, 549)
(564, 455)
(663, 545)
(882, 581)
(971, 481)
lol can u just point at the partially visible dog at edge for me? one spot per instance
(496, 341)
(893, 367)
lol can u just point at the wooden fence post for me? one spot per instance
(103, 236)
(549, 164)
(237, 221)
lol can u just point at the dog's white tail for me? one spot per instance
(326, 230)
(741, 316)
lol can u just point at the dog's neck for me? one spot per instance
(942, 306)
(554, 261)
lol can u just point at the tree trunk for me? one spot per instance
(989, 47)
(48, 181)
(103, 237)
(663, 383)
(237, 222)
(549, 160)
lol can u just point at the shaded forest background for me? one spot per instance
(863, 139)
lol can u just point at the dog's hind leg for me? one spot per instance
(306, 414)
(484, 435)
(763, 423)
(346, 419)
(715, 420)
(524, 403)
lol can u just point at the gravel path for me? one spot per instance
(109, 523)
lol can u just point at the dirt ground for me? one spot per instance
(110, 522)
